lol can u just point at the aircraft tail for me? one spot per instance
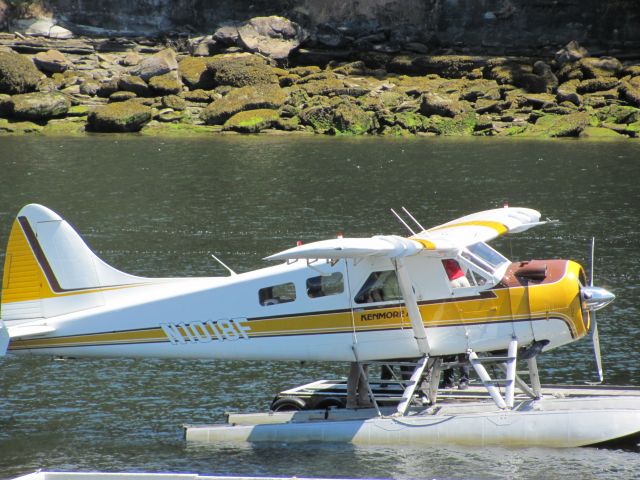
(49, 270)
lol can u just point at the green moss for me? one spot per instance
(195, 74)
(64, 127)
(618, 114)
(167, 84)
(600, 132)
(252, 121)
(351, 120)
(39, 106)
(319, 118)
(119, 117)
(158, 129)
(121, 96)
(8, 126)
(245, 98)
(78, 111)
(18, 74)
(459, 125)
(561, 125)
(240, 69)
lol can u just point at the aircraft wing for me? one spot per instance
(478, 227)
(390, 246)
(449, 237)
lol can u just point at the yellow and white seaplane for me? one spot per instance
(440, 292)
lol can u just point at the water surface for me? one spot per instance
(159, 207)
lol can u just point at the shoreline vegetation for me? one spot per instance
(70, 86)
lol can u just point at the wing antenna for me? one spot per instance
(223, 264)
(414, 219)
(402, 221)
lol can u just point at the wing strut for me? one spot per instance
(404, 281)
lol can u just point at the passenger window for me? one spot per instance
(380, 287)
(283, 293)
(322, 286)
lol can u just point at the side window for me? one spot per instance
(322, 286)
(283, 293)
(380, 287)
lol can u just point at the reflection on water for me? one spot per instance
(157, 208)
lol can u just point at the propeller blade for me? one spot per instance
(595, 337)
(593, 250)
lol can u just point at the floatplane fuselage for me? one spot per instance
(344, 299)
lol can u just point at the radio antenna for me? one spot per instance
(223, 264)
(413, 218)
(402, 221)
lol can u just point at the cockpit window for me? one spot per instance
(324, 285)
(283, 293)
(380, 287)
(484, 257)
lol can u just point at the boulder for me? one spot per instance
(195, 73)
(570, 125)
(51, 61)
(241, 99)
(167, 84)
(158, 64)
(274, 37)
(226, 35)
(132, 83)
(18, 74)
(447, 66)
(39, 106)
(174, 102)
(597, 84)
(252, 121)
(630, 91)
(437, 104)
(121, 96)
(46, 28)
(119, 117)
(131, 59)
(201, 46)
(351, 119)
(571, 52)
(595, 67)
(240, 70)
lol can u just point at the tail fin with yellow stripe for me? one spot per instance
(49, 270)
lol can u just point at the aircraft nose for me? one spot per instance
(596, 298)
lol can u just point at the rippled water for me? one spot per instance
(158, 208)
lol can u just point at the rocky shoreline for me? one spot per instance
(77, 85)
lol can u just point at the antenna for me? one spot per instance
(223, 264)
(413, 218)
(402, 221)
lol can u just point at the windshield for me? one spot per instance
(483, 256)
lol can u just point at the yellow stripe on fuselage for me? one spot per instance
(500, 228)
(559, 300)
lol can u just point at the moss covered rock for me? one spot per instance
(245, 98)
(174, 102)
(597, 84)
(437, 104)
(119, 117)
(458, 125)
(5, 105)
(240, 70)
(600, 132)
(195, 74)
(121, 96)
(252, 121)
(18, 74)
(351, 119)
(167, 84)
(39, 106)
(9, 126)
(561, 125)
(135, 84)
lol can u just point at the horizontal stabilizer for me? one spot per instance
(389, 246)
(29, 330)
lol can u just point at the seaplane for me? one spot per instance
(416, 300)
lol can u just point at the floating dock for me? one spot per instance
(565, 416)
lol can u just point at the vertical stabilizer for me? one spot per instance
(49, 270)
